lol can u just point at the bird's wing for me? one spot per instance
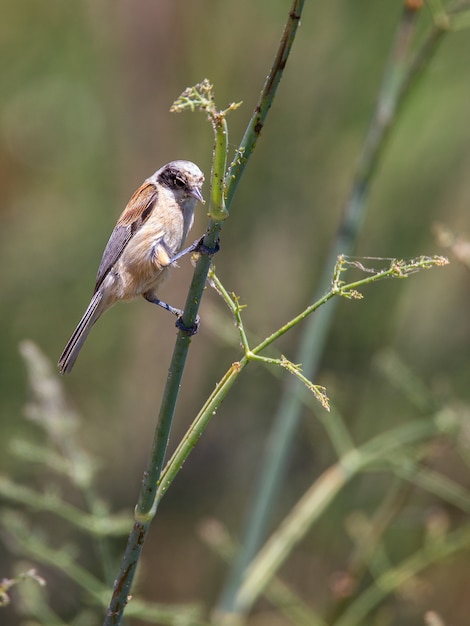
(134, 215)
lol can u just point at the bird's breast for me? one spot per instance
(143, 263)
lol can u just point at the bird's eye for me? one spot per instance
(179, 182)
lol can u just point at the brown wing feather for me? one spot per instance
(139, 206)
(134, 215)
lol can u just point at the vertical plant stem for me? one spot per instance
(314, 502)
(147, 502)
(265, 101)
(368, 545)
(397, 75)
(145, 510)
(223, 189)
(394, 578)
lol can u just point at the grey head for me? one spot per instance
(183, 178)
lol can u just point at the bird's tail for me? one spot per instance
(76, 341)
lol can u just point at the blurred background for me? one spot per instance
(85, 94)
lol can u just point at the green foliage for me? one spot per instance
(351, 428)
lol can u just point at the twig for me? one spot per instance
(223, 189)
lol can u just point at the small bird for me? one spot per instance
(144, 243)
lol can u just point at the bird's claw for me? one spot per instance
(187, 330)
(203, 249)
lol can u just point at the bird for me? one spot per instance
(146, 240)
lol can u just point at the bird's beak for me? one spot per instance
(196, 193)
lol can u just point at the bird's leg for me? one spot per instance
(197, 246)
(154, 300)
(191, 330)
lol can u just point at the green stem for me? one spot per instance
(314, 502)
(218, 210)
(397, 80)
(147, 503)
(278, 593)
(96, 525)
(214, 401)
(61, 559)
(394, 578)
(368, 549)
(198, 426)
(265, 101)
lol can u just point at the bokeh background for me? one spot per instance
(85, 94)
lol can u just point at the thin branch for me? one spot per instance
(313, 503)
(265, 101)
(399, 76)
(223, 189)
(397, 269)
(394, 578)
